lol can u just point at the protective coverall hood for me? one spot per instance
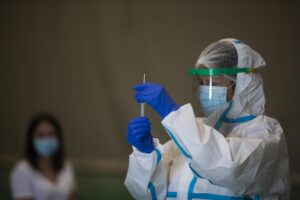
(249, 98)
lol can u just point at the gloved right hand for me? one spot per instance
(139, 134)
(157, 97)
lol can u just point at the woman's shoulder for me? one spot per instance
(68, 166)
(22, 166)
(266, 122)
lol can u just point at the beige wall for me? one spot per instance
(79, 60)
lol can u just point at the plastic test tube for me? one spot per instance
(143, 104)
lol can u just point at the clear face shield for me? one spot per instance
(213, 89)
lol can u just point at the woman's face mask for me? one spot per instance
(45, 140)
(46, 146)
(214, 92)
(212, 98)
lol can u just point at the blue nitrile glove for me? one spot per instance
(139, 134)
(156, 96)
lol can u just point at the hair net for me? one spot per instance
(218, 54)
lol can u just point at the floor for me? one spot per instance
(93, 186)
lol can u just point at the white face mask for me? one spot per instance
(211, 98)
(46, 146)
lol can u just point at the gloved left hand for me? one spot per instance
(139, 134)
(156, 96)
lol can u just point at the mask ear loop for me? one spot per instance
(233, 80)
(233, 83)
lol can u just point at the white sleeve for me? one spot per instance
(244, 165)
(20, 181)
(147, 173)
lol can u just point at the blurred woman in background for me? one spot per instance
(43, 172)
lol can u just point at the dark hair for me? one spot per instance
(228, 55)
(57, 160)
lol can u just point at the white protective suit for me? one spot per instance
(245, 158)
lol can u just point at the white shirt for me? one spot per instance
(27, 182)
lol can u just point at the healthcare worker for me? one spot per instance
(235, 152)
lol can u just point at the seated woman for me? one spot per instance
(43, 172)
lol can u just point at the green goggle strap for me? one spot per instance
(218, 71)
